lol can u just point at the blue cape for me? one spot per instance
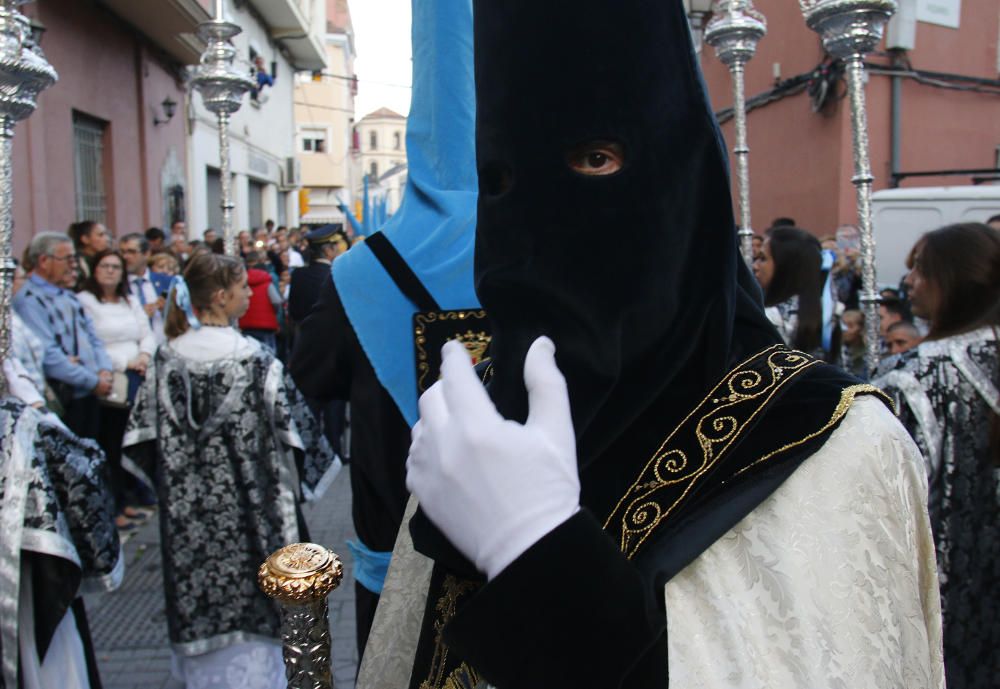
(434, 228)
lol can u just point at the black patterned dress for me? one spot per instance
(946, 395)
(231, 449)
(57, 535)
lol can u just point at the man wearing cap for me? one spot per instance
(325, 244)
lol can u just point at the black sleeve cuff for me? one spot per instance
(569, 612)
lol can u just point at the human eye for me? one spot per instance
(596, 158)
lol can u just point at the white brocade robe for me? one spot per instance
(831, 582)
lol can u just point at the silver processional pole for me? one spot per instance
(734, 31)
(850, 29)
(299, 577)
(24, 73)
(222, 85)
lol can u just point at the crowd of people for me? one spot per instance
(177, 376)
(91, 310)
(811, 289)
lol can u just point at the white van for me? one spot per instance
(900, 216)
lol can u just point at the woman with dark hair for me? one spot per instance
(232, 448)
(124, 330)
(789, 270)
(90, 238)
(946, 392)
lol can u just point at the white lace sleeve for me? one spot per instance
(829, 583)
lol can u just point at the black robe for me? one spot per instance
(329, 364)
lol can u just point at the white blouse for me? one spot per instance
(122, 326)
(210, 343)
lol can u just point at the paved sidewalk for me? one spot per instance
(129, 625)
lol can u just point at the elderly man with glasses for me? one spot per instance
(75, 363)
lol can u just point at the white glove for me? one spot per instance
(494, 487)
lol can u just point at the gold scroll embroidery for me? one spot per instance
(699, 441)
(463, 677)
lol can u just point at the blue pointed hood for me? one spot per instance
(434, 227)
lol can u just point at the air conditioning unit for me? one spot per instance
(291, 173)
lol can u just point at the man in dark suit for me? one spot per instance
(325, 244)
(149, 287)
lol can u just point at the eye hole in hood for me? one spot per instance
(596, 158)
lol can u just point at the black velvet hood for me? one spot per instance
(635, 276)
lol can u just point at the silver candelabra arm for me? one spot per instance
(850, 29)
(734, 31)
(223, 80)
(24, 74)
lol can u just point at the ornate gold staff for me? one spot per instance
(734, 31)
(299, 577)
(850, 29)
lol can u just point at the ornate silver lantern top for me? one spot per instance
(24, 72)
(734, 30)
(848, 27)
(220, 76)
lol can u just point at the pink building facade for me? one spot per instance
(801, 162)
(100, 145)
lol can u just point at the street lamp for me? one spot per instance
(850, 29)
(24, 73)
(734, 31)
(222, 84)
(169, 106)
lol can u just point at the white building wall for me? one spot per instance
(262, 136)
(386, 155)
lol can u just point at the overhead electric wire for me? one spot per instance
(820, 80)
(362, 81)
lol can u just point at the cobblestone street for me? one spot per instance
(129, 626)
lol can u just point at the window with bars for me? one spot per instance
(88, 158)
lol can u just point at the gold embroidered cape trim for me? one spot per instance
(846, 400)
(700, 441)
